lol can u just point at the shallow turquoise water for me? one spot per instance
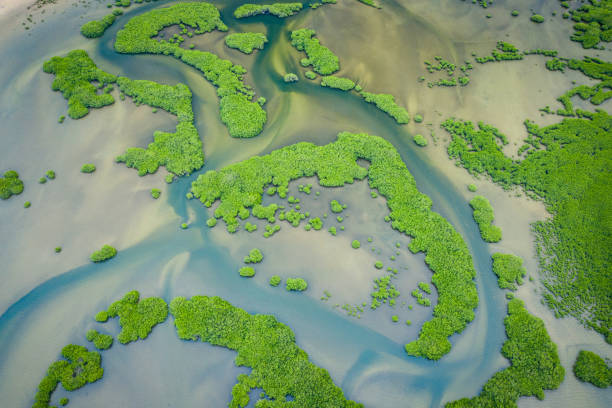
(365, 357)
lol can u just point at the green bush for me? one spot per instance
(95, 28)
(275, 280)
(514, 13)
(290, 77)
(310, 75)
(106, 252)
(536, 18)
(323, 61)
(27, 204)
(88, 168)
(356, 244)
(386, 103)
(102, 316)
(344, 84)
(10, 185)
(255, 256)
(378, 265)
(384, 292)
(483, 215)
(63, 401)
(137, 317)
(509, 270)
(589, 367)
(50, 174)
(100, 341)
(394, 319)
(418, 118)
(74, 75)
(58, 249)
(246, 42)
(296, 284)
(316, 223)
(240, 187)
(472, 187)
(420, 140)
(247, 272)
(534, 363)
(155, 193)
(278, 9)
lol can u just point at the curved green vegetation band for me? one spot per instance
(242, 117)
(240, 187)
(534, 363)
(181, 152)
(278, 366)
(74, 75)
(589, 367)
(568, 166)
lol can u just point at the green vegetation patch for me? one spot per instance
(483, 215)
(247, 272)
(79, 368)
(384, 291)
(10, 184)
(88, 168)
(254, 256)
(137, 317)
(246, 42)
(74, 77)
(589, 367)
(356, 244)
(568, 167)
(180, 152)
(596, 94)
(509, 270)
(296, 284)
(105, 253)
(593, 23)
(420, 140)
(100, 341)
(243, 117)
(95, 28)
(240, 187)
(536, 18)
(279, 9)
(336, 207)
(386, 103)
(323, 61)
(275, 280)
(344, 84)
(278, 366)
(504, 52)
(534, 363)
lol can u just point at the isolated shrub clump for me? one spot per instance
(10, 185)
(105, 253)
